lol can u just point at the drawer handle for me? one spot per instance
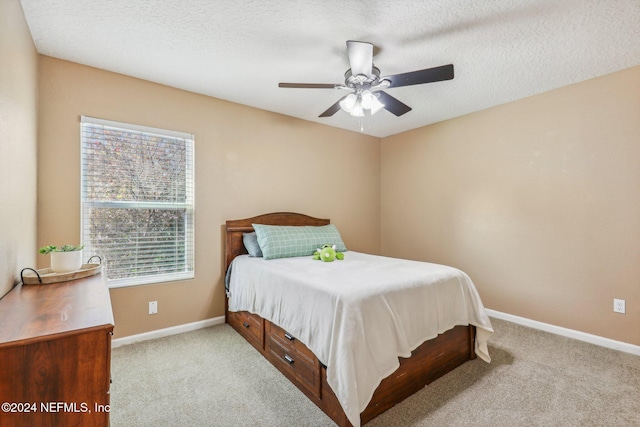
(288, 336)
(288, 359)
(245, 324)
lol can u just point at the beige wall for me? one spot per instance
(537, 200)
(248, 162)
(18, 128)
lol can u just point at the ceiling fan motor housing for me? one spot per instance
(362, 81)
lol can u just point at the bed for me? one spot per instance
(336, 350)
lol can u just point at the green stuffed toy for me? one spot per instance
(327, 253)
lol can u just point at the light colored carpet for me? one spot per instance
(213, 377)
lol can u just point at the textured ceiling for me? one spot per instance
(237, 50)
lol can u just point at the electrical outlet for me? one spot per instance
(619, 306)
(153, 307)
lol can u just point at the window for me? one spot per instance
(137, 201)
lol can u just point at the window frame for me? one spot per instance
(188, 205)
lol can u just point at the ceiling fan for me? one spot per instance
(365, 84)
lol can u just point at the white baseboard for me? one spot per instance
(173, 330)
(565, 332)
(558, 330)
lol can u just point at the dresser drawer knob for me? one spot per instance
(288, 336)
(289, 359)
(245, 324)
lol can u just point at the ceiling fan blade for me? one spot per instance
(333, 109)
(430, 75)
(360, 57)
(308, 85)
(392, 105)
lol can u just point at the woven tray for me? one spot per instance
(46, 275)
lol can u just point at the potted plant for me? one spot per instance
(64, 259)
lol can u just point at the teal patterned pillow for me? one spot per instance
(284, 241)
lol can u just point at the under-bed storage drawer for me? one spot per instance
(249, 326)
(293, 358)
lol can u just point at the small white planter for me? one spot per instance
(66, 262)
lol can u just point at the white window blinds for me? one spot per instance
(138, 201)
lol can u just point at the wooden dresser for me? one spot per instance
(55, 354)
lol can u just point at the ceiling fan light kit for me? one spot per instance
(371, 102)
(356, 103)
(365, 84)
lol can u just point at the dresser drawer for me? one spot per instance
(294, 359)
(249, 326)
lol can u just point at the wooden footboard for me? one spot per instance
(428, 362)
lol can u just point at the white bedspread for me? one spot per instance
(360, 314)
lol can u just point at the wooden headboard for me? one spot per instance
(235, 228)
